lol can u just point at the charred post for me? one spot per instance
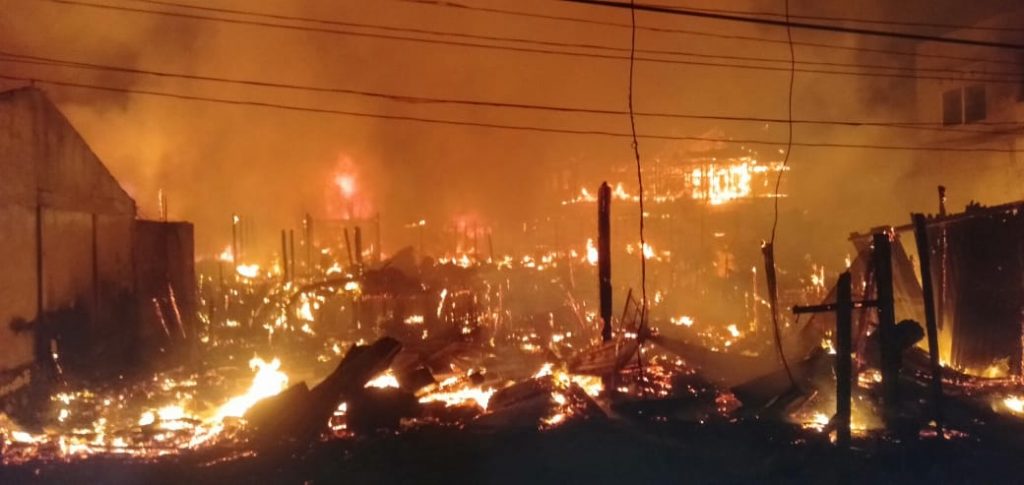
(234, 239)
(604, 262)
(291, 251)
(359, 248)
(889, 346)
(307, 238)
(844, 349)
(284, 256)
(348, 249)
(924, 257)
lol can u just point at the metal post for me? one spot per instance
(924, 257)
(604, 263)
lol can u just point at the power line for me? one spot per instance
(902, 23)
(778, 184)
(806, 26)
(545, 51)
(666, 30)
(55, 62)
(564, 44)
(263, 104)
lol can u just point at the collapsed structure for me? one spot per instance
(87, 286)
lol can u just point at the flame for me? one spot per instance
(268, 381)
(384, 380)
(477, 395)
(248, 270)
(226, 255)
(305, 311)
(733, 330)
(683, 320)
(346, 185)
(1015, 404)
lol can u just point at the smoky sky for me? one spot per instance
(273, 166)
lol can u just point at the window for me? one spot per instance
(975, 106)
(964, 105)
(952, 107)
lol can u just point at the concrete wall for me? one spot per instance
(56, 196)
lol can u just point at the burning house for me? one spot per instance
(87, 286)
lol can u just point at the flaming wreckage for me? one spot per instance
(902, 349)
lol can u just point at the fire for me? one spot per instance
(346, 184)
(248, 270)
(591, 252)
(226, 255)
(268, 381)
(305, 311)
(683, 320)
(384, 380)
(1015, 404)
(481, 397)
(733, 330)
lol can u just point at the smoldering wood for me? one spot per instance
(301, 416)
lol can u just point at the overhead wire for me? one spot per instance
(635, 145)
(6, 56)
(906, 74)
(777, 332)
(532, 128)
(837, 29)
(674, 30)
(558, 44)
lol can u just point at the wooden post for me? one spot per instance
(890, 351)
(377, 249)
(234, 240)
(307, 236)
(359, 248)
(604, 262)
(284, 256)
(924, 257)
(490, 244)
(348, 250)
(844, 367)
(291, 253)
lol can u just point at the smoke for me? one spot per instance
(273, 166)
